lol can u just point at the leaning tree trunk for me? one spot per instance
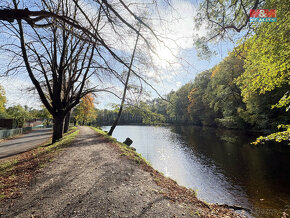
(125, 89)
(66, 123)
(117, 120)
(58, 127)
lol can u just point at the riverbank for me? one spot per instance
(97, 176)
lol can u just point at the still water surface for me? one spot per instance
(220, 165)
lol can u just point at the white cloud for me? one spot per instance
(16, 92)
(173, 24)
(178, 84)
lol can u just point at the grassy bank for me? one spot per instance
(170, 188)
(125, 149)
(18, 171)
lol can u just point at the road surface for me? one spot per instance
(24, 143)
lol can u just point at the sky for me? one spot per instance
(177, 25)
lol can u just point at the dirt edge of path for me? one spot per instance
(17, 172)
(173, 191)
(23, 172)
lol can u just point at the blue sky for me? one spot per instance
(179, 28)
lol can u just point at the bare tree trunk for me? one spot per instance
(66, 123)
(117, 120)
(125, 88)
(58, 127)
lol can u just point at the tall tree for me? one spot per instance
(2, 102)
(125, 87)
(58, 63)
(266, 46)
(85, 111)
(267, 54)
(105, 29)
(224, 96)
(19, 114)
(198, 108)
(267, 72)
(179, 102)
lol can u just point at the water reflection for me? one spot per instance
(219, 164)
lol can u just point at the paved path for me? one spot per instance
(24, 143)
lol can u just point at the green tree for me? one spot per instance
(198, 108)
(44, 114)
(223, 94)
(177, 108)
(159, 106)
(267, 54)
(267, 59)
(277, 136)
(19, 114)
(2, 103)
(144, 111)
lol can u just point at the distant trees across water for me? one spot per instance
(215, 98)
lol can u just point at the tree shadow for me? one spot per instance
(150, 204)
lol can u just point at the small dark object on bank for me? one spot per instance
(128, 141)
(234, 207)
(134, 149)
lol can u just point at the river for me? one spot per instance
(220, 165)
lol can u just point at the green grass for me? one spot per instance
(196, 213)
(67, 139)
(193, 191)
(126, 150)
(7, 166)
(43, 165)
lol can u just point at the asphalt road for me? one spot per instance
(24, 143)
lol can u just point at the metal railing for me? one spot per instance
(6, 133)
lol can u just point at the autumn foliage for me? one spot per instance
(85, 112)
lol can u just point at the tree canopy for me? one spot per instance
(64, 44)
(267, 54)
(2, 102)
(85, 111)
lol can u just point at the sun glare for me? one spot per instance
(165, 55)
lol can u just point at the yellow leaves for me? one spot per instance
(85, 111)
(190, 96)
(2, 100)
(215, 70)
(191, 99)
(277, 136)
(267, 56)
(283, 102)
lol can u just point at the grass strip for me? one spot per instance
(170, 188)
(126, 150)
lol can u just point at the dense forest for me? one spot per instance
(214, 98)
(249, 89)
